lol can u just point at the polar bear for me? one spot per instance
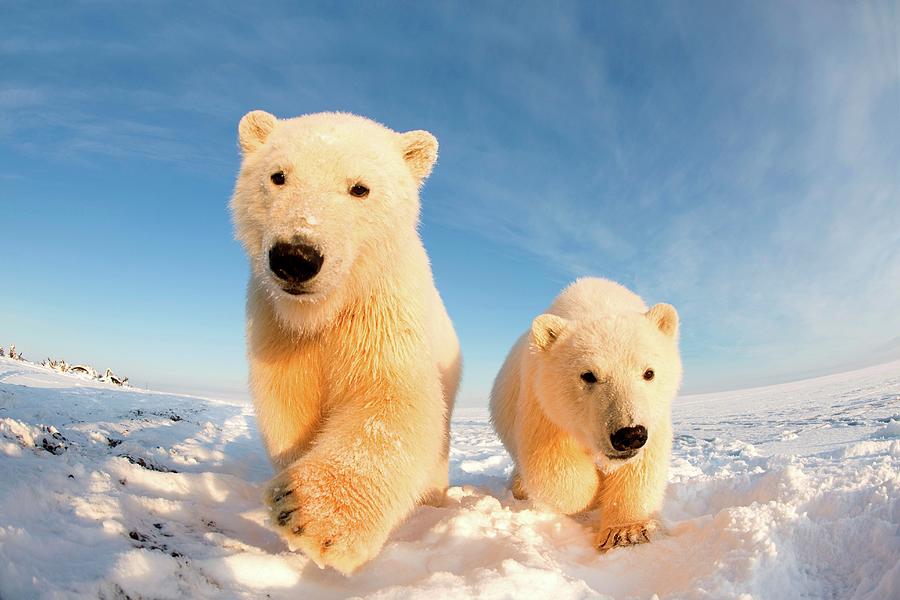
(354, 363)
(583, 405)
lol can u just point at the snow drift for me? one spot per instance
(788, 491)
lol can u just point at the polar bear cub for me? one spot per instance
(583, 405)
(354, 363)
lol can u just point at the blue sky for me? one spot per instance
(739, 160)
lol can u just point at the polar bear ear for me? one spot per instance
(420, 150)
(545, 329)
(665, 317)
(254, 128)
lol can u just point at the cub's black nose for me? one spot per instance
(629, 438)
(294, 263)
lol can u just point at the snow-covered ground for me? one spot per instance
(790, 491)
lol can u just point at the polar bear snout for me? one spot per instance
(294, 263)
(629, 440)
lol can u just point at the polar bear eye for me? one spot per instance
(358, 190)
(277, 178)
(588, 377)
(649, 374)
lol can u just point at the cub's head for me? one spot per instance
(321, 202)
(609, 382)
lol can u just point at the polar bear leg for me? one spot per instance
(367, 470)
(630, 497)
(554, 469)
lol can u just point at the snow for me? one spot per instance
(789, 491)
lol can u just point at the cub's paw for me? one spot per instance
(628, 534)
(324, 516)
(517, 487)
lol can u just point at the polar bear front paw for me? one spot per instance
(319, 514)
(628, 534)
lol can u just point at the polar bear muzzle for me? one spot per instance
(294, 263)
(628, 440)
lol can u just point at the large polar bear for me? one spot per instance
(583, 405)
(354, 363)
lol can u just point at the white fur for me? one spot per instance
(558, 428)
(354, 381)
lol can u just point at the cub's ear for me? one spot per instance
(665, 317)
(545, 329)
(420, 150)
(254, 128)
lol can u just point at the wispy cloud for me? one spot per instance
(769, 211)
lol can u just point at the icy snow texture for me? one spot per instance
(789, 491)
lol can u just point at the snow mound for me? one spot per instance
(780, 492)
(891, 430)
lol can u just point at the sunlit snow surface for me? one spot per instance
(790, 491)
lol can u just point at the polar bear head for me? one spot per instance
(323, 205)
(609, 382)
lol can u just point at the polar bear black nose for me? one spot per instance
(294, 262)
(629, 438)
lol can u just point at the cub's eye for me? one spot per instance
(588, 377)
(277, 178)
(649, 374)
(358, 190)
